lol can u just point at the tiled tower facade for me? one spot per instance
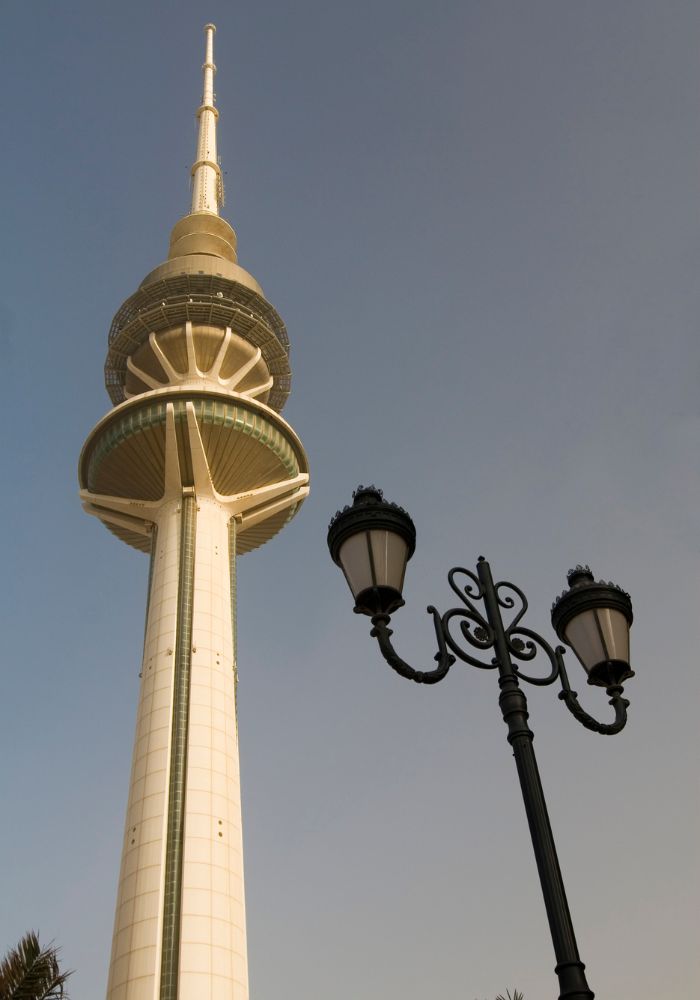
(193, 465)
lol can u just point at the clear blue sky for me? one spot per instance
(481, 224)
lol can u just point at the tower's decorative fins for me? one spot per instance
(207, 183)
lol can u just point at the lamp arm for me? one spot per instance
(382, 633)
(570, 699)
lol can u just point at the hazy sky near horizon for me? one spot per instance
(480, 222)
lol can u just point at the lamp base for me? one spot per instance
(609, 672)
(378, 601)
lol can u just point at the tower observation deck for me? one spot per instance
(193, 465)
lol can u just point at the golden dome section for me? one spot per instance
(199, 355)
(172, 299)
(201, 233)
(238, 354)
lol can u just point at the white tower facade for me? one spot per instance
(193, 465)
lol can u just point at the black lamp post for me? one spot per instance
(372, 542)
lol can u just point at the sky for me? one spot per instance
(480, 222)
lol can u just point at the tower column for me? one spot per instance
(180, 922)
(213, 960)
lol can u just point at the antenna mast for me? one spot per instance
(207, 183)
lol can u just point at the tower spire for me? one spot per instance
(207, 184)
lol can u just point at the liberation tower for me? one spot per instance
(192, 465)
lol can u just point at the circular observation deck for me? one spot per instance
(247, 446)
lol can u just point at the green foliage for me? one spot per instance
(29, 972)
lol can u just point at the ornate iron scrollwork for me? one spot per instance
(481, 627)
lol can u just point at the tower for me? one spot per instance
(193, 465)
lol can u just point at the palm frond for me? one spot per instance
(517, 995)
(30, 972)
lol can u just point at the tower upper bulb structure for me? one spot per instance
(193, 465)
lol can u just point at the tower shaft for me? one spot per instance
(180, 919)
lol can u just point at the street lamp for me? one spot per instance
(372, 541)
